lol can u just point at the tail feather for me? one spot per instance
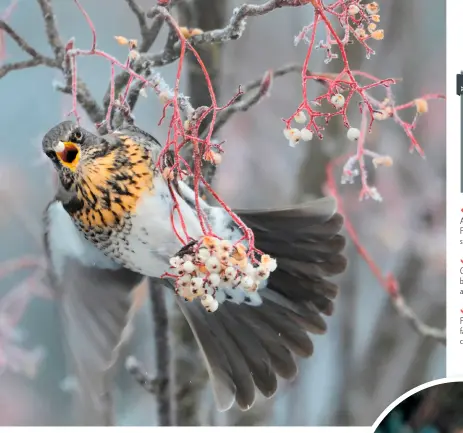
(281, 357)
(284, 328)
(217, 364)
(255, 355)
(319, 251)
(239, 369)
(248, 346)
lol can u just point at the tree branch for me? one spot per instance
(139, 14)
(246, 100)
(44, 60)
(143, 64)
(236, 26)
(232, 31)
(5, 69)
(85, 99)
(148, 383)
(51, 29)
(165, 395)
(161, 385)
(412, 267)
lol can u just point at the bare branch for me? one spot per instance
(51, 28)
(26, 47)
(245, 101)
(232, 31)
(149, 35)
(150, 384)
(162, 385)
(412, 266)
(5, 69)
(140, 15)
(165, 395)
(400, 304)
(85, 99)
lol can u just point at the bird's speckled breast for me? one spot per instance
(109, 186)
(123, 207)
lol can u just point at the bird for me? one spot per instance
(109, 227)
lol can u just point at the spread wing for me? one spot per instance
(248, 346)
(94, 298)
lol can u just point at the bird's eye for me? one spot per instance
(76, 136)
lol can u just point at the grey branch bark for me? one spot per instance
(164, 376)
(206, 15)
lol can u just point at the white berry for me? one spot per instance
(225, 245)
(338, 100)
(175, 261)
(197, 284)
(188, 267)
(272, 265)
(247, 282)
(214, 280)
(287, 133)
(306, 134)
(262, 273)
(353, 10)
(300, 117)
(380, 115)
(294, 136)
(353, 134)
(209, 303)
(203, 254)
(372, 8)
(230, 272)
(224, 256)
(187, 291)
(184, 280)
(213, 264)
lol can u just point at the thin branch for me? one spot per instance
(5, 69)
(235, 28)
(411, 268)
(165, 395)
(149, 35)
(139, 14)
(245, 101)
(400, 304)
(26, 47)
(152, 33)
(388, 282)
(162, 385)
(148, 383)
(51, 28)
(85, 99)
(232, 31)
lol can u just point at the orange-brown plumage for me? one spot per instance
(110, 184)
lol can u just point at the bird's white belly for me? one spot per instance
(152, 240)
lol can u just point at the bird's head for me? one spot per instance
(66, 144)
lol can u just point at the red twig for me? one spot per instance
(388, 282)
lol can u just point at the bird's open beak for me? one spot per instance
(68, 153)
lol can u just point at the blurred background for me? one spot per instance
(436, 409)
(370, 355)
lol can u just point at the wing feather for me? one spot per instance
(94, 298)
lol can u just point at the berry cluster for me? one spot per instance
(213, 264)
